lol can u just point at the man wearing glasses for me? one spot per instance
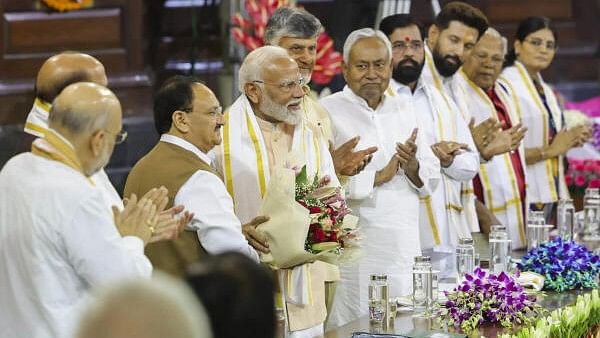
(444, 131)
(263, 127)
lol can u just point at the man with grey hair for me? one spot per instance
(500, 185)
(58, 239)
(386, 193)
(262, 128)
(160, 307)
(296, 30)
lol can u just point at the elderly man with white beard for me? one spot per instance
(386, 193)
(262, 127)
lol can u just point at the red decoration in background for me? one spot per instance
(250, 32)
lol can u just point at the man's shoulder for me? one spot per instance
(330, 102)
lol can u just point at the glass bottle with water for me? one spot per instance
(538, 231)
(591, 210)
(566, 219)
(500, 249)
(465, 257)
(378, 298)
(422, 284)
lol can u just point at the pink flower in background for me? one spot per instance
(569, 180)
(580, 181)
(594, 183)
(579, 167)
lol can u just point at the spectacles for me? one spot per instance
(550, 45)
(401, 47)
(120, 136)
(285, 87)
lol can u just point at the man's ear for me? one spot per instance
(345, 67)
(433, 35)
(97, 141)
(253, 92)
(179, 121)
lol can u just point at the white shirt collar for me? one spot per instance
(400, 88)
(359, 100)
(178, 141)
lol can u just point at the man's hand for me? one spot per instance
(407, 158)
(484, 133)
(564, 140)
(170, 224)
(517, 134)
(447, 150)
(348, 162)
(138, 218)
(256, 239)
(585, 132)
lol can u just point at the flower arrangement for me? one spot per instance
(573, 321)
(67, 5)
(582, 175)
(484, 297)
(250, 33)
(327, 209)
(566, 265)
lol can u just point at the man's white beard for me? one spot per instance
(280, 112)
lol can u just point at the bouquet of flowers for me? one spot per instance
(484, 297)
(309, 220)
(582, 174)
(566, 265)
(249, 32)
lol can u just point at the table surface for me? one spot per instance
(406, 321)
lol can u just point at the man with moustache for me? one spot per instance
(386, 193)
(296, 30)
(188, 117)
(262, 128)
(441, 213)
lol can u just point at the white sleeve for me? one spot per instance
(218, 227)
(361, 186)
(465, 165)
(96, 249)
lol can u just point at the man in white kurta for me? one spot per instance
(56, 73)
(500, 184)
(443, 215)
(57, 237)
(385, 194)
(262, 127)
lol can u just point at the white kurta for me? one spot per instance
(447, 85)
(37, 125)
(389, 217)
(204, 194)
(58, 240)
(443, 216)
(497, 176)
(541, 187)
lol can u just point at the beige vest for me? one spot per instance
(170, 166)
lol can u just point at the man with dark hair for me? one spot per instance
(188, 116)
(441, 221)
(296, 31)
(238, 295)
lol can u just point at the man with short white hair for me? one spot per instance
(296, 30)
(261, 129)
(160, 307)
(500, 184)
(58, 239)
(386, 193)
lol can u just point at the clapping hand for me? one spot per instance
(447, 150)
(348, 162)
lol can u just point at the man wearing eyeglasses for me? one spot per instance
(58, 239)
(189, 119)
(263, 128)
(297, 31)
(441, 213)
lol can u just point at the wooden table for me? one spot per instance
(405, 322)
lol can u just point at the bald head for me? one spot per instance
(157, 308)
(84, 107)
(67, 68)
